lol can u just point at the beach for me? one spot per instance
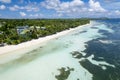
(35, 42)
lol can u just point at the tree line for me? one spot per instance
(9, 34)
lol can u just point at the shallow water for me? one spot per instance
(43, 62)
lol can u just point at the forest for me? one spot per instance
(11, 32)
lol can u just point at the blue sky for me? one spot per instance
(59, 8)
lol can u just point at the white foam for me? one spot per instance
(98, 63)
(106, 41)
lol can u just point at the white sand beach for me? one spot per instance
(35, 42)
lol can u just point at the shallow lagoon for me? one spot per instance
(46, 61)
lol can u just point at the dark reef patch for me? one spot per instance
(94, 27)
(80, 32)
(108, 52)
(76, 54)
(64, 73)
(100, 74)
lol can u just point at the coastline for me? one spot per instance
(23, 46)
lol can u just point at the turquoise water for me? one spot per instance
(43, 62)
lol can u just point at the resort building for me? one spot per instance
(22, 29)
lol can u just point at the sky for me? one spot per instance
(59, 8)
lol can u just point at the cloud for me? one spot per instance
(2, 7)
(27, 8)
(95, 6)
(113, 6)
(109, 1)
(71, 6)
(74, 8)
(63, 7)
(57, 4)
(22, 14)
(5, 1)
(113, 14)
(117, 12)
(31, 8)
(51, 4)
(14, 8)
(36, 15)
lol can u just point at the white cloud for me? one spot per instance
(71, 6)
(112, 13)
(75, 8)
(59, 6)
(60, 15)
(5, 1)
(95, 6)
(51, 4)
(117, 12)
(76, 3)
(27, 8)
(31, 8)
(22, 14)
(36, 15)
(14, 8)
(2, 7)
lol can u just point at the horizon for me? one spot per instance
(55, 18)
(59, 9)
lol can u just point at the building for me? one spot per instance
(43, 28)
(1, 32)
(22, 29)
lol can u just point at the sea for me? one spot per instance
(91, 52)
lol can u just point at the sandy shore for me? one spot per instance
(35, 42)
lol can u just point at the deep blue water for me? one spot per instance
(108, 51)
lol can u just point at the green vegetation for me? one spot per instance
(36, 28)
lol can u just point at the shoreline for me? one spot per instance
(34, 42)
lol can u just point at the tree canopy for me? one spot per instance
(41, 28)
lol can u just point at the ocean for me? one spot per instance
(89, 53)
